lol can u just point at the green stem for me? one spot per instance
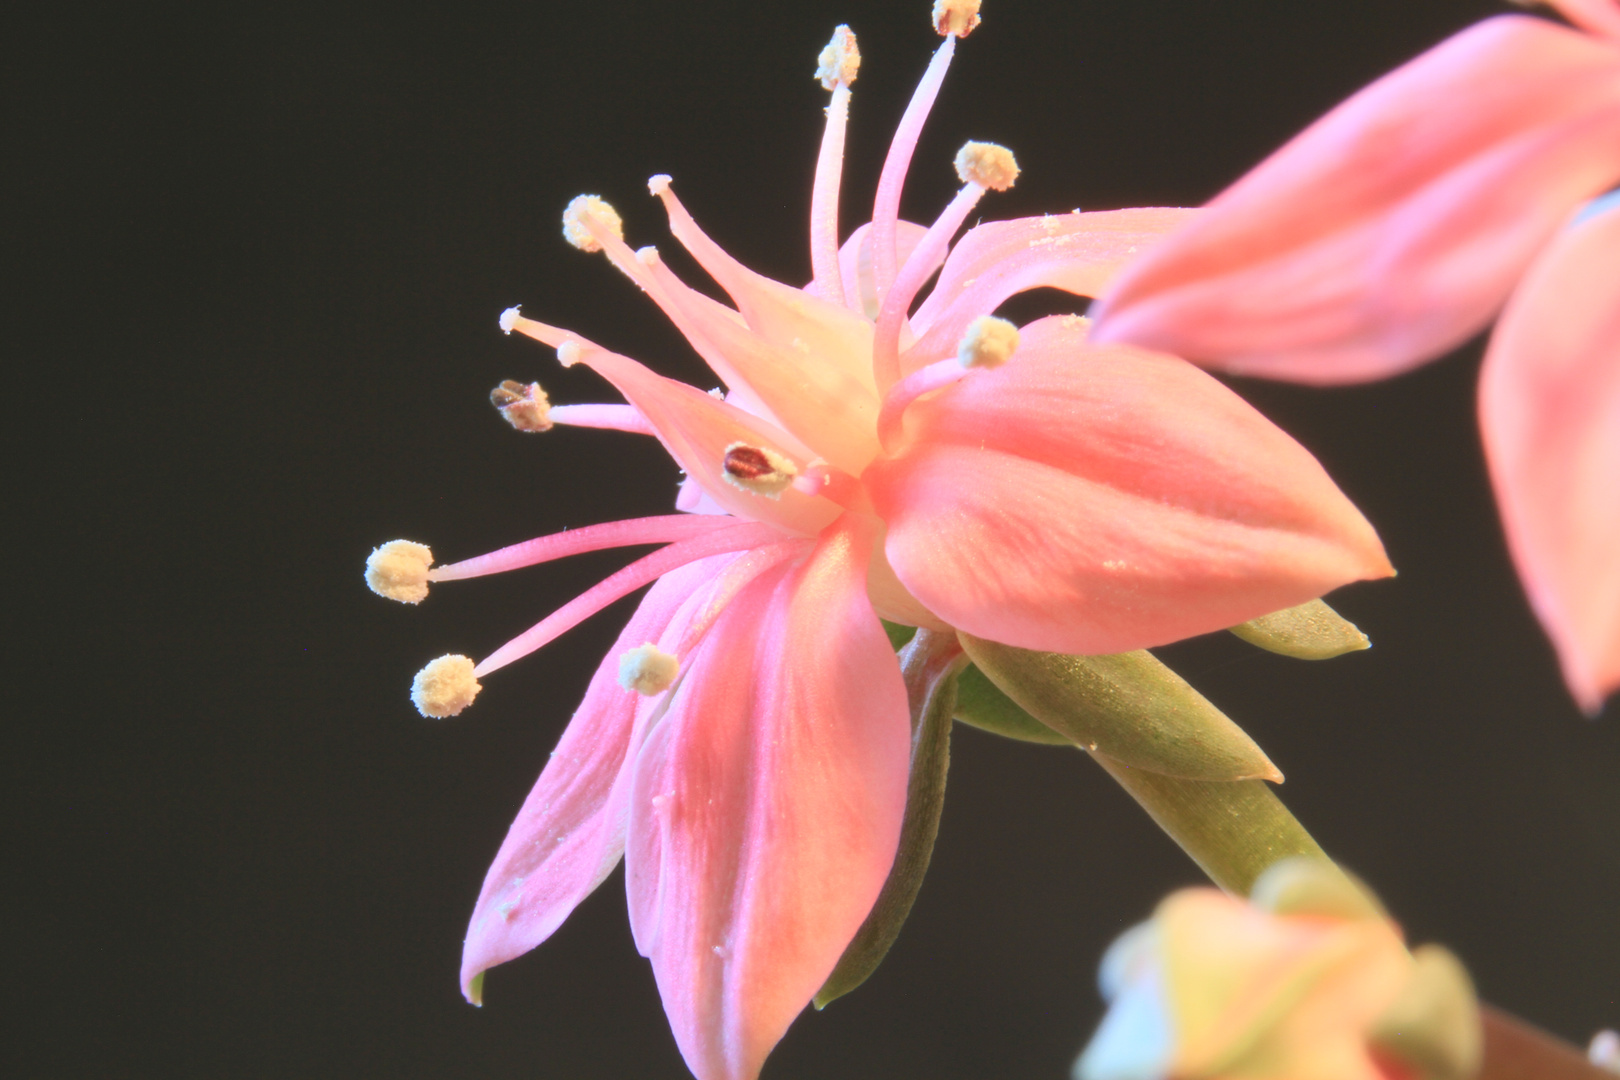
(1232, 829)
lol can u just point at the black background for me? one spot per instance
(257, 256)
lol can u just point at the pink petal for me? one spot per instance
(1598, 16)
(767, 807)
(1087, 499)
(568, 837)
(1079, 253)
(696, 429)
(1550, 413)
(855, 262)
(1394, 227)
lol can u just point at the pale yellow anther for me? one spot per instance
(525, 407)
(958, 17)
(569, 353)
(840, 60)
(647, 670)
(585, 211)
(657, 185)
(986, 164)
(399, 571)
(988, 343)
(445, 687)
(758, 469)
(509, 319)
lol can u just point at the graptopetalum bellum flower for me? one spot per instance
(1306, 980)
(1445, 194)
(745, 745)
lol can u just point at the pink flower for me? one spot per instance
(746, 745)
(1443, 195)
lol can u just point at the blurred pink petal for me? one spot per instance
(1549, 406)
(1394, 227)
(767, 806)
(1095, 500)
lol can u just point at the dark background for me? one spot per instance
(256, 260)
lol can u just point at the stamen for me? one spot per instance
(525, 407)
(663, 529)
(839, 62)
(445, 686)
(647, 670)
(626, 418)
(647, 569)
(586, 217)
(987, 165)
(959, 17)
(399, 571)
(512, 319)
(758, 469)
(989, 343)
(998, 166)
(886, 206)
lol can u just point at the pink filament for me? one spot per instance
(662, 529)
(644, 570)
(886, 207)
(611, 417)
(829, 281)
(935, 376)
(924, 257)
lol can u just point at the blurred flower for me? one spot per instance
(1309, 981)
(745, 745)
(1445, 194)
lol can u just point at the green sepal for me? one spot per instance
(1311, 631)
(980, 704)
(899, 633)
(1127, 706)
(1434, 1025)
(930, 665)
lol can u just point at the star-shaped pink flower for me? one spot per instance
(745, 746)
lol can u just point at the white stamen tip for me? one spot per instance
(509, 319)
(647, 670)
(840, 60)
(958, 17)
(989, 342)
(525, 407)
(758, 469)
(986, 164)
(657, 185)
(399, 571)
(582, 213)
(445, 687)
(569, 353)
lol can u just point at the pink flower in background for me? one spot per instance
(1444, 195)
(746, 744)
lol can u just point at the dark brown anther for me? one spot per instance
(524, 407)
(510, 392)
(747, 463)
